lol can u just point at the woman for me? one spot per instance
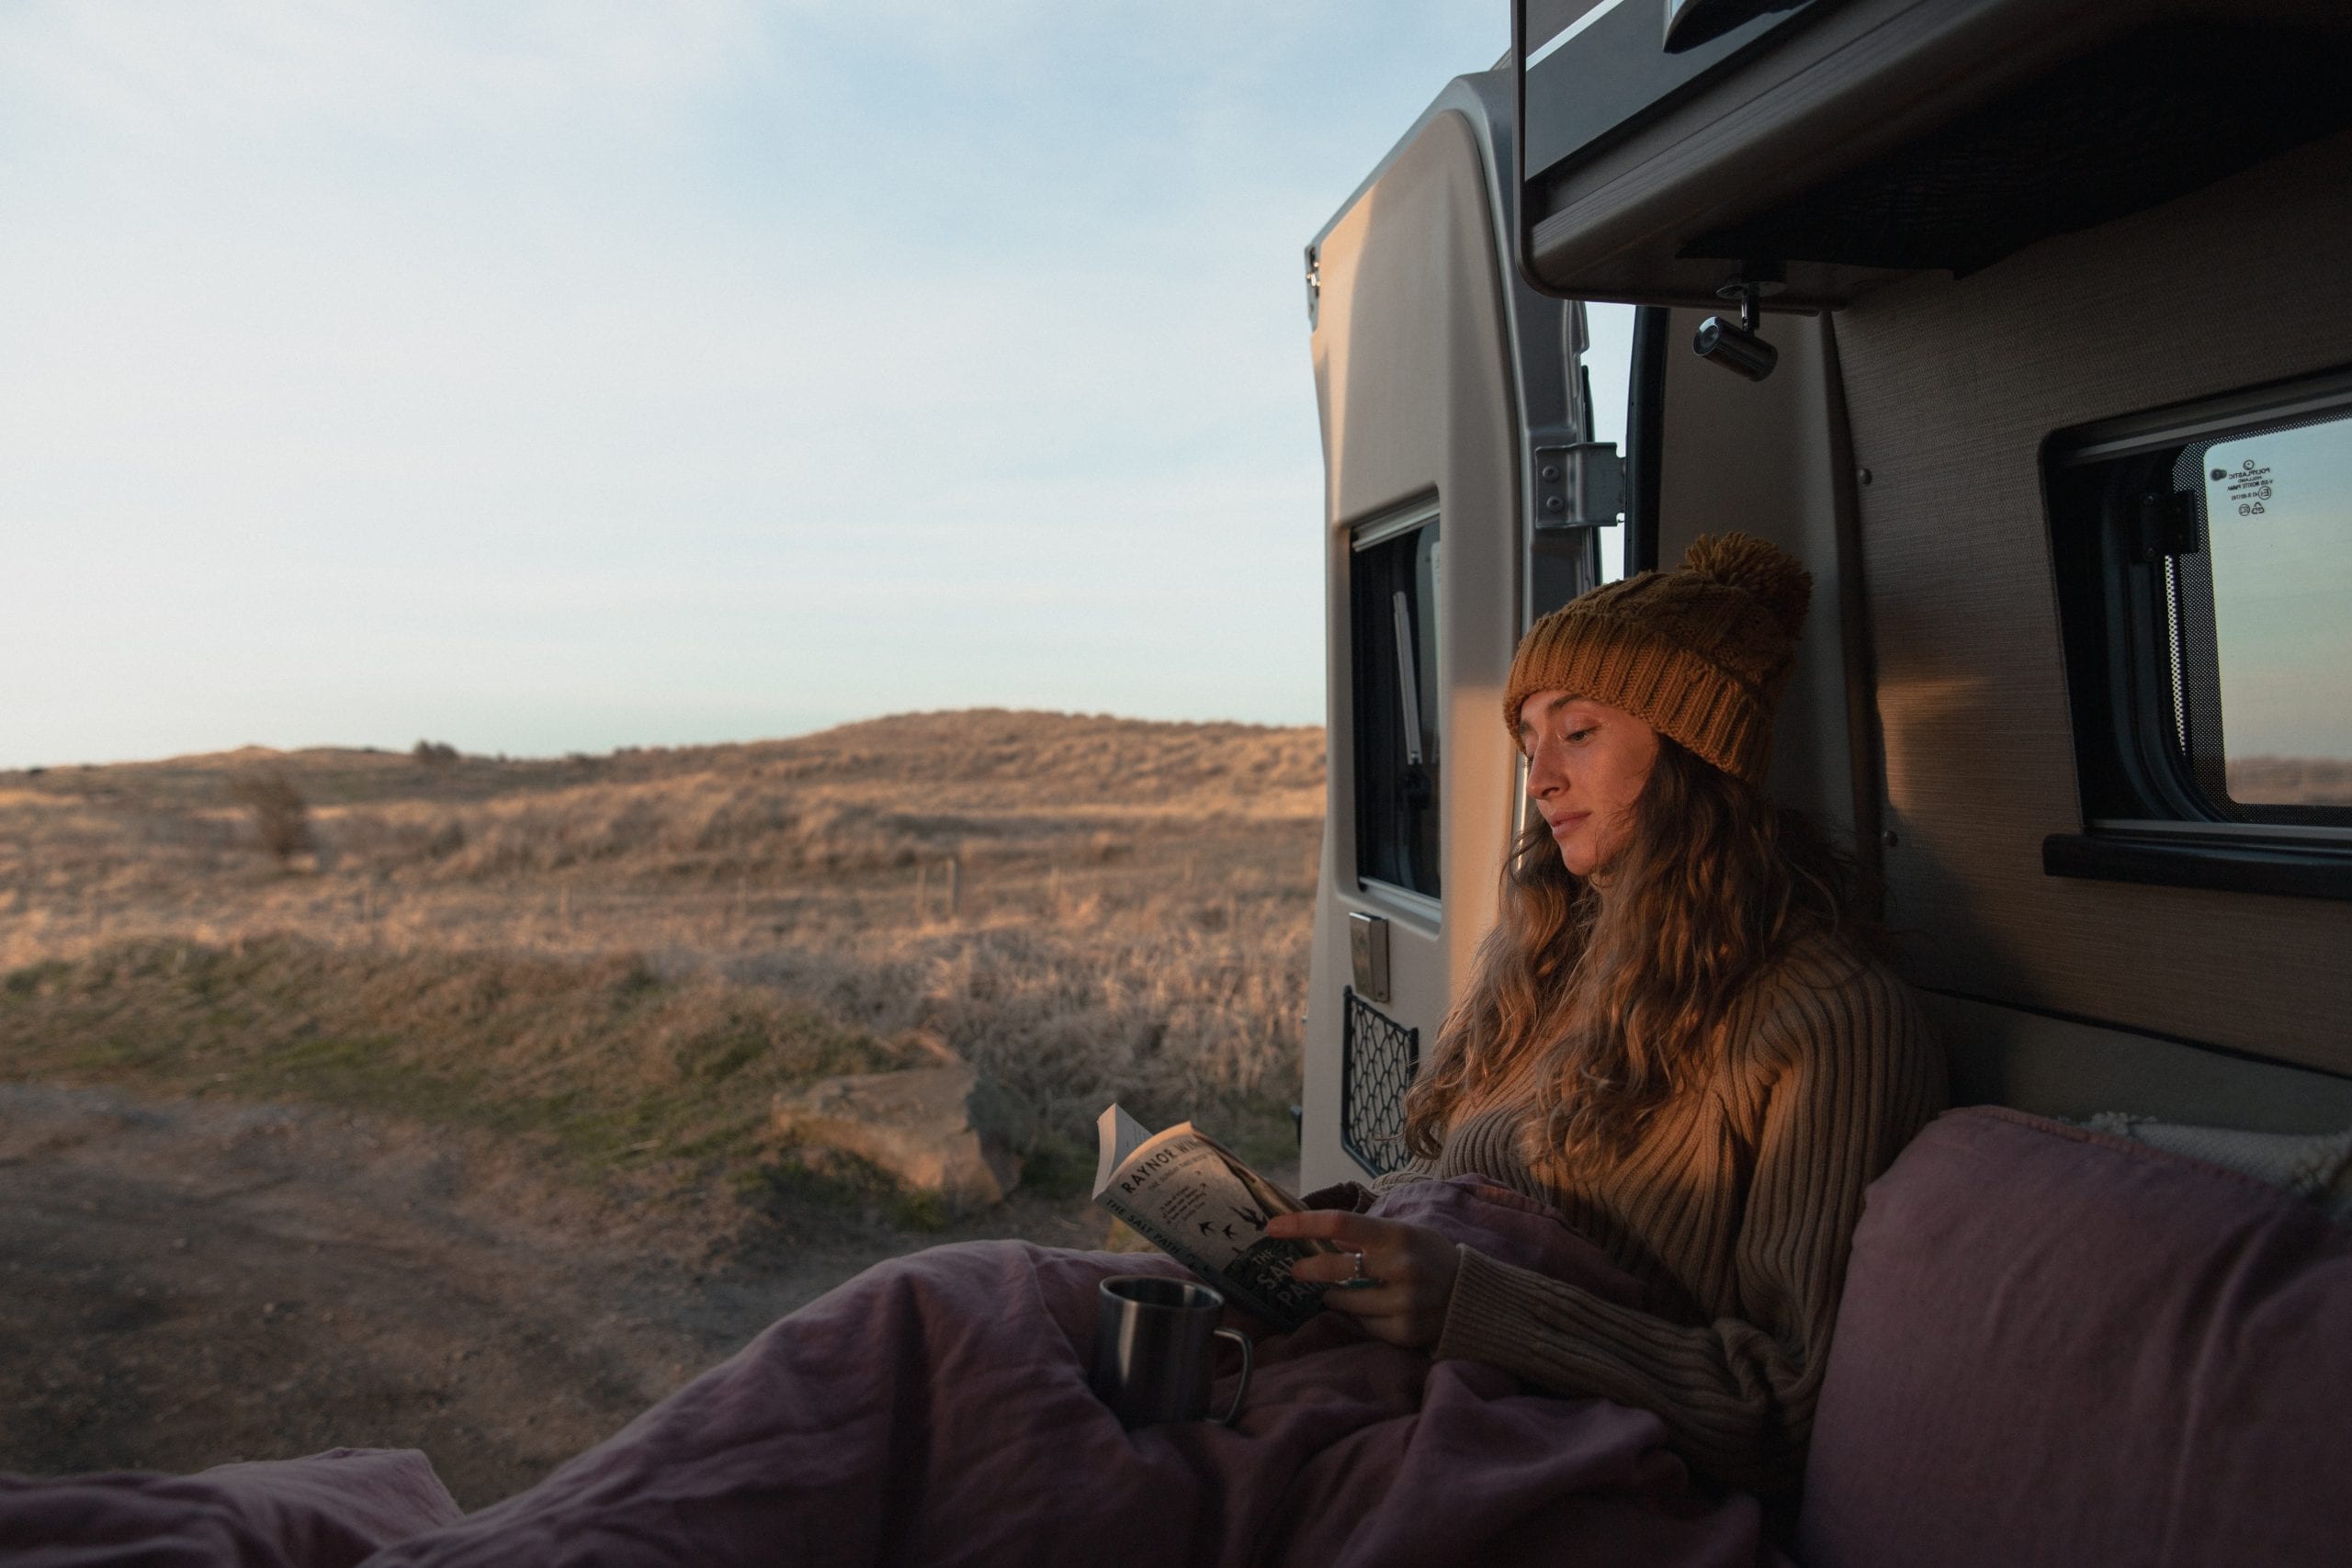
(1676, 1036)
(1642, 1143)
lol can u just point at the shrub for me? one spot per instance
(434, 753)
(281, 816)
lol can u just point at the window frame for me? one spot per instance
(2146, 816)
(1645, 436)
(1403, 521)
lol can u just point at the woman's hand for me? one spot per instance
(1414, 1265)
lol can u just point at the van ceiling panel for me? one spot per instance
(1610, 70)
(1864, 140)
(1952, 386)
(2142, 119)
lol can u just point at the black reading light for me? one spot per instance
(1737, 348)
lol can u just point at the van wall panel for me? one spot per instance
(1413, 384)
(1952, 386)
(1754, 458)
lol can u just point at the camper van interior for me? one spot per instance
(2019, 323)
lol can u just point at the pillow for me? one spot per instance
(2317, 1165)
(2060, 1346)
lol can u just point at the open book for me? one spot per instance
(1197, 1201)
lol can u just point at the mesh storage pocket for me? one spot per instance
(1377, 1058)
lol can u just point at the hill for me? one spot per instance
(1084, 906)
(453, 1129)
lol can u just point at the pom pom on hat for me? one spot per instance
(1702, 654)
(1764, 569)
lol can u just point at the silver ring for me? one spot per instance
(1359, 1280)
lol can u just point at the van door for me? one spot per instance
(1428, 357)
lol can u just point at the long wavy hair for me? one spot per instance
(1600, 998)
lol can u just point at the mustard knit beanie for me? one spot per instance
(1702, 654)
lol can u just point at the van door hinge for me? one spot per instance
(1579, 484)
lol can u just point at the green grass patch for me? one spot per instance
(602, 1067)
(1058, 1167)
(798, 1180)
(1258, 1128)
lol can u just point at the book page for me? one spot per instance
(1198, 1202)
(1118, 1136)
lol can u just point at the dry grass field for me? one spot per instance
(621, 958)
(433, 1107)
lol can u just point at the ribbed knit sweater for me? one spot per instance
(1736, 1210)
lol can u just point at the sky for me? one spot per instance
(2279, 544)
(550, 376)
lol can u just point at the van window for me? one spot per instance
(1393, 607)
(2204, 573)
(2278, 536)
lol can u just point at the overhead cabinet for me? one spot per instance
(1825, 147)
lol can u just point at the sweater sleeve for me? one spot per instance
(1860, 1074)
(1419, 1169)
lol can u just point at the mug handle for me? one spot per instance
(1243, 1387)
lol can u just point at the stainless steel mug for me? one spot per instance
(1154, 1342)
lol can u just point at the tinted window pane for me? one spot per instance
(1392, 594)
(2279, 539)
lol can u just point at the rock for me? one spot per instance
(928, 1047)
(941, 1129)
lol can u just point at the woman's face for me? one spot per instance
(1586, 764)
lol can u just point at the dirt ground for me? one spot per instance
(453, 1131)
(189, 1283)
